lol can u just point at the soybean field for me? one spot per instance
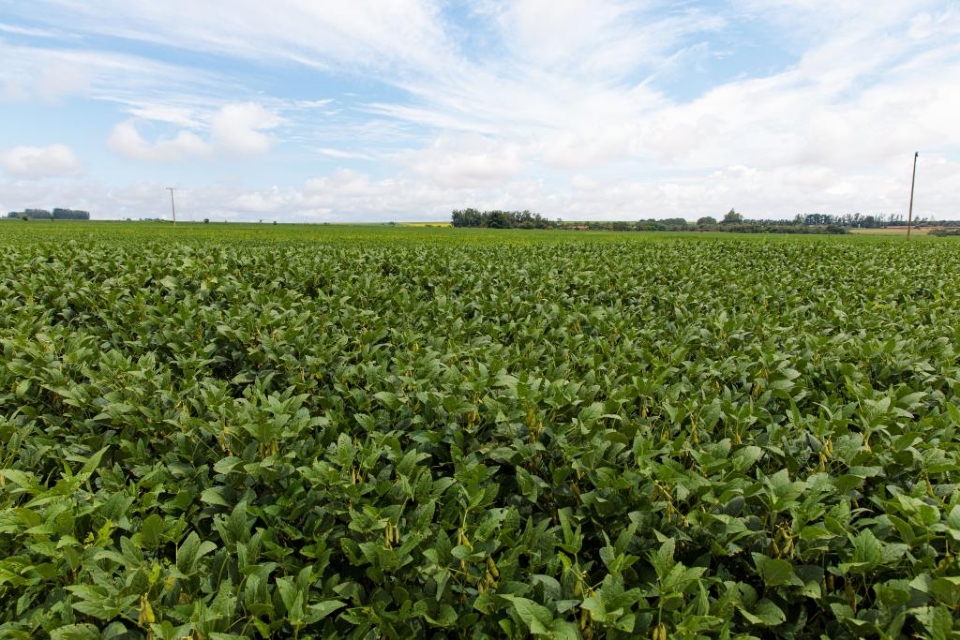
(227, 431)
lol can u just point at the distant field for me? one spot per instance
(891, 231)
(426, 224)
(324, 431)
(404, 232)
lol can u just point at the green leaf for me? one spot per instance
(446, 617)
(947, 590)
(23, 388)
(776, 572)
(190, 552)
(563, 630)
(816, 532)
(938, 621)
(76, 632)
(745, 457)
(388, 399)
(767, 613)
(536, 617)
(953, 523)
(214, 496)
(590, 414)
(151, 530)
(867, 549)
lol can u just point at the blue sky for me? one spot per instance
(298, 110)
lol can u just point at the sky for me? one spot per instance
(403, 110)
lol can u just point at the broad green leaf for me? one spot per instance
(775, 572)
(536, 617)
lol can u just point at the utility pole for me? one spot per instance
(173, 207)
(913, 183)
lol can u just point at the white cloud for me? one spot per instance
(11, 91)
(48, 84)
(125, 140)
(362, 33)
(307, 105)
(234, 130)
(171, 114)
(32, 163)
(343, 155)
(936, 24)
(341, 183)
(598, 37)
(60, 80)
(589, 147)
(239, 129)
(27, 31)
(466, 161)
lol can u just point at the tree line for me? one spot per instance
(732, 221)
(858, 221)
(500, 219)
(57, 214)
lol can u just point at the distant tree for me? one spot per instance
(498, 219)
(467, 218)
(732, 217)
(31, 214)
(70, 214)
(707, 221)
(206, 221)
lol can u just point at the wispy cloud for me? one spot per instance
(30, 31)
(45, 72)
(343, 155)
(362, 33)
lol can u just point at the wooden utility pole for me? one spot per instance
(173, 207)
(913, 183)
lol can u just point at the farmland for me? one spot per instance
(237, 431)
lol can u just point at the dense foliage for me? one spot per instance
(431, 433)
(710, 225)
(70, 214)
(498, 219)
